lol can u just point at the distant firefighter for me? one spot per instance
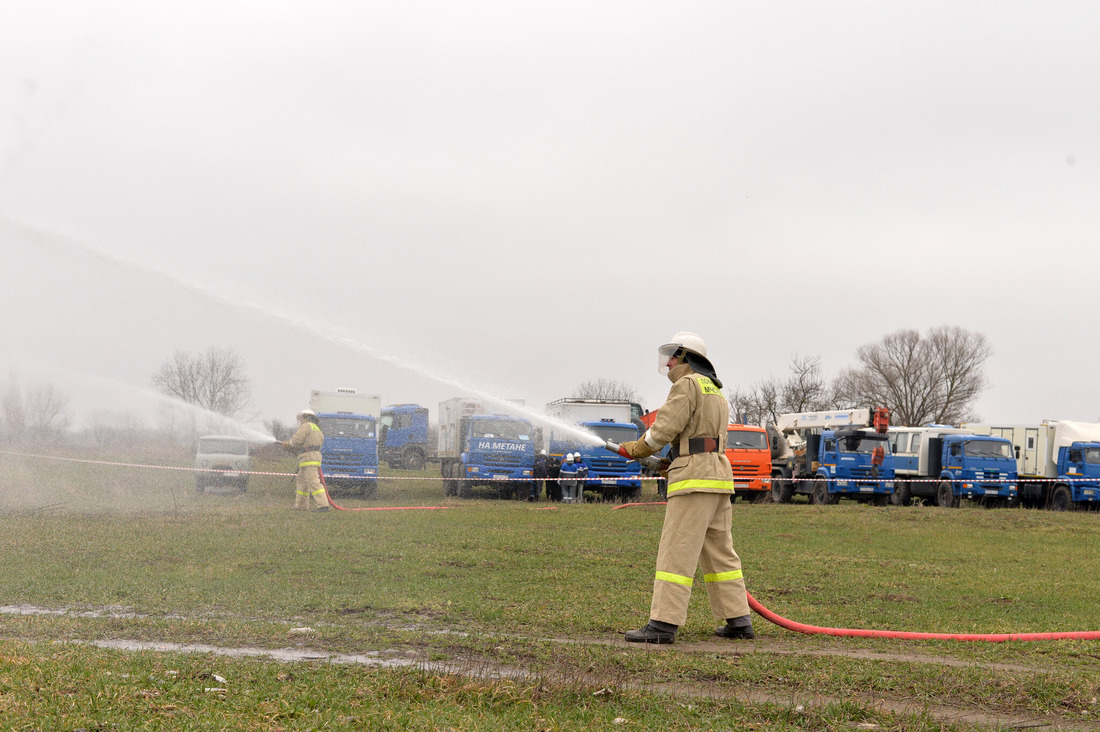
(306, 444)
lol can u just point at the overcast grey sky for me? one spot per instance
(524, 196)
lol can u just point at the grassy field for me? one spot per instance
(508, 615)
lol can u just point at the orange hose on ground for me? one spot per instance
(858, 633)
(650, 503)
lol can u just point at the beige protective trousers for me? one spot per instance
(308, 483)
(697, 533)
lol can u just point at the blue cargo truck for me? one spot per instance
(480, 445)
(404, 436)
(1058, 462)
(947, 464)
(610, 475)
(832, 455)
(349, 457)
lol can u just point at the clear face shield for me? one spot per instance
(664, 353)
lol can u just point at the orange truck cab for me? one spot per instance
(751, 459)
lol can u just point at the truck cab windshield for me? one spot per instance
(345, 427)
(223, 447)
(502, 429)
(985, 449)
(1092, 455)
(864, 444)
(746, 440)
(617, 434)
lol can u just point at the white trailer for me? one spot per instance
(346, 401)
(577, 411)
(1053, 474)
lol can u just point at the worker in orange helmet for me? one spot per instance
(306, 444)
(697, 531)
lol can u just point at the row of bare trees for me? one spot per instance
(33, 412)
(935, 378)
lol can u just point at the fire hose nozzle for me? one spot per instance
(651, 462)
(617, 448)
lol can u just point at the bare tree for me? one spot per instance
(15, 418)
(921, 380)
(609, 389)
(280, 430)
(214, 380)
(804, 390)
(35, 412)
(759, 404)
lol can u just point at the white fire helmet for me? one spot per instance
(568, 457)
(307, 413)
(542, 452)
(576, 457)
(686, 340)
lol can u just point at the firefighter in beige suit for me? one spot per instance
(306, 444)
(700, 483)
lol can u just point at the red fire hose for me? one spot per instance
(856, 633)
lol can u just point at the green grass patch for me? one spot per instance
(488, 584)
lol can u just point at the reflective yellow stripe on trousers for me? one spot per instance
(676, 578)
(723, 576)
(723, 485)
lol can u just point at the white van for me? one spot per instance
(221, 460)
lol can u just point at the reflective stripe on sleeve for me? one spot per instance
(676, 578)
(723, 576)
(722, 485)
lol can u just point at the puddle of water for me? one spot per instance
(284, 655)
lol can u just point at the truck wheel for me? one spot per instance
(901, 495)
(413, 460)
(200, 486)
(819, 494)
(1061, 499)
(782, 489)
(945, 496)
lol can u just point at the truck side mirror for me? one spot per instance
(1016, 449)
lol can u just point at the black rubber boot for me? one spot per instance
(653, 632)
(736, 629)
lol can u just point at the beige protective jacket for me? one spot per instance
(695, 407)
(307, 442)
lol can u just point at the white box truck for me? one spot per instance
(349, 422)
(480, 444)
(609, 474)
(1058, 462)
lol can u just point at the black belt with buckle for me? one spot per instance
(696, 446)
